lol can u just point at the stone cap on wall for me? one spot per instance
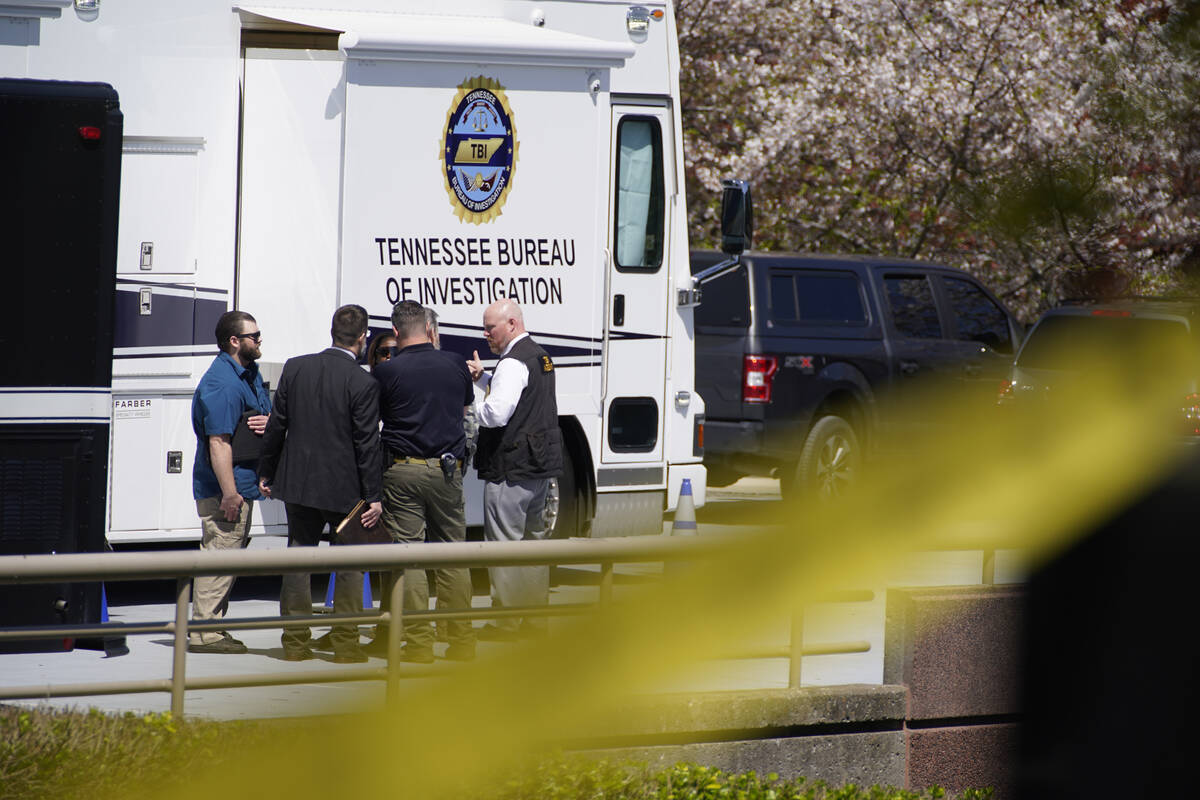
(957, 649)
(717, 715)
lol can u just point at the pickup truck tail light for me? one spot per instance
(758, 373)
(1005, 391)
(1191, 413)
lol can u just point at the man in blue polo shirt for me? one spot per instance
(225, 490)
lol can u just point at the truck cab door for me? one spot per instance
(924, 358)
(983, 339)
(635, 325)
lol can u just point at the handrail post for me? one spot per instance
(606, 583)
(395, 637)
(183, 596)
(797, 654)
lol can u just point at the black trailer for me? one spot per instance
(60, 170)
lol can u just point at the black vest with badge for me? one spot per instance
(530, 445)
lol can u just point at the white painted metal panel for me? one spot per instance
(452, 38)
(138, 463)
(291, 192)
(159, 178)
(402, 238)
(636, 341)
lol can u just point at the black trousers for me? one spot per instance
(305, 525)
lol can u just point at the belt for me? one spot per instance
(433, 462)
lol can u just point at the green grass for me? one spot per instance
(64, 754)
(92, 755)
(577, 778)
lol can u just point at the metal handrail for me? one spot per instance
(393, 558)
(62, 567)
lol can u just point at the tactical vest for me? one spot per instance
(530, 445)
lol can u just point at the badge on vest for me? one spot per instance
(547, 364)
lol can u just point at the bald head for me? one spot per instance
(502, 322)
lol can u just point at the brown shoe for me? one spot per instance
(376, 647)
(231, 646)
(415, 656)
(350, 657)
(298, 653)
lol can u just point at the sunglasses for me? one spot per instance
(256, 336)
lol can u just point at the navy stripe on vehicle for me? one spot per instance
(123, 283)
(211, 353)
(385, 324)
(174, 321)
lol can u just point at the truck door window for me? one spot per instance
(977, 317)
(640, 193)
(830, 299)
(822, 298)
(913, 311)
(783, 298)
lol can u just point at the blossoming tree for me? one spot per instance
(1039, 145)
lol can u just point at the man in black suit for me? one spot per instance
(321, 456)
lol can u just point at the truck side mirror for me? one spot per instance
(737, 223)
(737, 218)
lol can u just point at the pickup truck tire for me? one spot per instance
(829, 462)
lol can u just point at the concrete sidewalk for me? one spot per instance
(150, 657)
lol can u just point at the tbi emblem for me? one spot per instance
(479, 151)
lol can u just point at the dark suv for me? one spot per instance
(1119, 346)
(797, 357)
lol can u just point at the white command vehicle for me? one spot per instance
(284, 159)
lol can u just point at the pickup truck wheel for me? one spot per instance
(829, 462)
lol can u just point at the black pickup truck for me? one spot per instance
(797, 357)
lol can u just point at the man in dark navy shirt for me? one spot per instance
(423, 394)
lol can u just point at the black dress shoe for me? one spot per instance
(323, 642)
(298, 653)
